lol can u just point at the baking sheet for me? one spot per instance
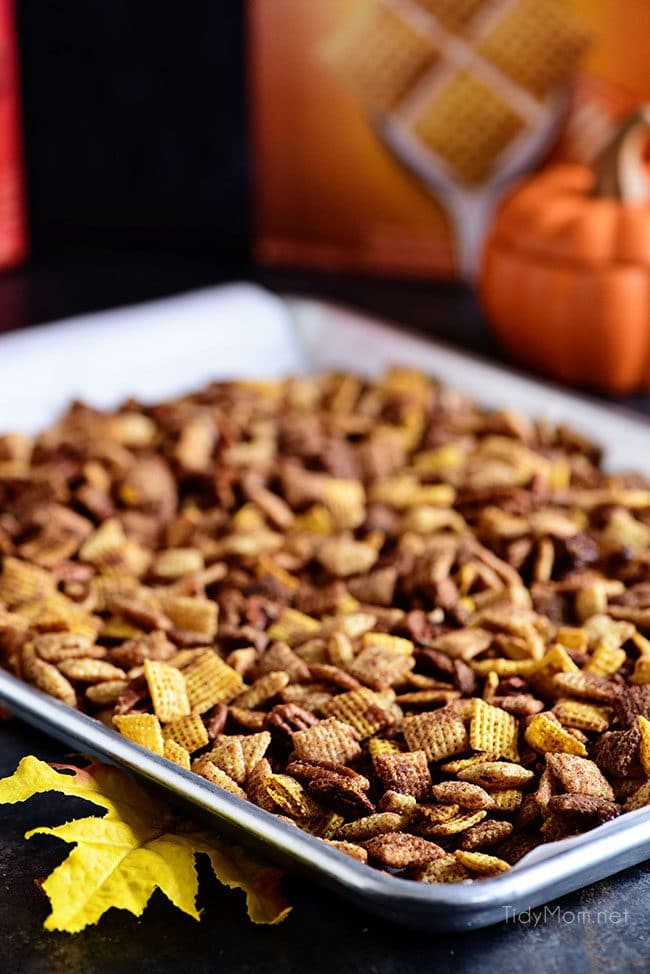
(166, 347)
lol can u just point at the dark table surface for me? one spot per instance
(605, 928)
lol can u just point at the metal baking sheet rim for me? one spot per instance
(599, 853)
(462, 906)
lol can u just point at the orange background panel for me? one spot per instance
(327, 193)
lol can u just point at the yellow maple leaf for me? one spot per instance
(137, 846)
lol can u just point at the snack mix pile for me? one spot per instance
(410, 626)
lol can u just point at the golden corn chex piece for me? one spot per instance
(424, 817)
(543, 734)
(591, 599)
(352, 624)
(444, 870)
(192, 614)
(588, 686)
(267, 567)
(441, 459)
(208, 770)
(397, 491)
(312, 651)
(209, 680)
(54, 647)
(254, 747)
(12, 625)
(188, 731)
(118, 628)
(193, 451)
(256, 786)
(317, 520)
(22, 582)
(340, 649)
(132, 429)
(342, 556)
(639, 799)
(382, 640)
(362, 709)
(293, 627)
(349, 848)
(227, 754)
(274, 508)
(265, 688)
(644, 747)
(394, 801)
(606, 660)
(458, 824)
(378, 745)
(433, 495)
(491, 685)
(556, 660)
(641, 672)
(56, 613)
(243, 659)
(346, 501)
(167, 689)
(482, 864)
(440, 735)
(371, 825)
(248, 519)
(142, 729)
(46, 677)
(507, 799)
(176, 562)
(176, 753)
(103, 694)
(453, 767)
(325, 826)
(328, 740)
(573, 637)
(289, 795)
(494, 730)
(425, 519)
(108, 539)
(496, 774)
(584, 716)
(506, 667)
(111, 584)
(250, 544)
(183, 659)
(603, 629)
(90, 670)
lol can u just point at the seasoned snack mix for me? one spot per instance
(412, 627)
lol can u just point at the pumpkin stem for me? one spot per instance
(620, 168)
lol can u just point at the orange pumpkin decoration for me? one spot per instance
(565, 279)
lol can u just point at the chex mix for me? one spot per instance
(416, 629)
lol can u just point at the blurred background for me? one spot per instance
(357, 149)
